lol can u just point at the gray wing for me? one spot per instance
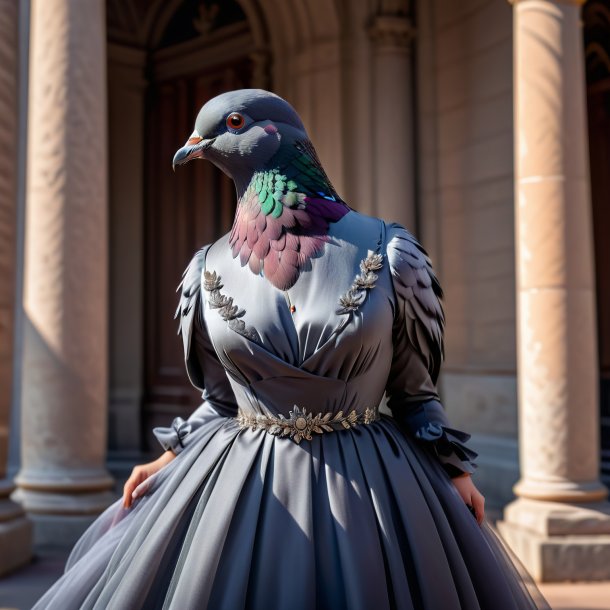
(188, 307)
(418, 353)
(419, 294)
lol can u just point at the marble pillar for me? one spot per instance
(15, 529)
(560, 523)
(392, 36)
(63, 483)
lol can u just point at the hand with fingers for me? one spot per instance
(473, 498)
(138, 482)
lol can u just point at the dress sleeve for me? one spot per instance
(204, 369)
(418, 352)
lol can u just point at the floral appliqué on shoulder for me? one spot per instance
(363, 282)
(228, 311)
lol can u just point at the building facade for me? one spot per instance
(481, 125)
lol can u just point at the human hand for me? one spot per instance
(136, 484)
(471, 495)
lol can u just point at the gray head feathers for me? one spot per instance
(255, 105)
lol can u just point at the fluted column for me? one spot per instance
(560, 523)
(15, 529)
(63, 483)
(392, 33)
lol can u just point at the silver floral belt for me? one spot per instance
(300, 424)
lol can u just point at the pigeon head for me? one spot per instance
(241, 132)
(286, 202)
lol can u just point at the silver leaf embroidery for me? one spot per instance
(365, 280)
(228, 311)
(301, 424)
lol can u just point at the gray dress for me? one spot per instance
(289, 490)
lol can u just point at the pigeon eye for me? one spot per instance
(235, 120)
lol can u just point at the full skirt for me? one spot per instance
(359, 519)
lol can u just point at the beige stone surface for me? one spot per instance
(486, 402)
(559, 518)
(548, 218)
(307, 49)
(356, 76)
(393, 106)
(558, 388)
(465, 173)
(466, 178)
(559, 558)
(64, 385)
(358, 55)
(560, 524)
(577, 595)
(556, 299)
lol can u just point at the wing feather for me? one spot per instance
(188, 306)
(419, 296)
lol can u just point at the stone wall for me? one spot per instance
(466, 217)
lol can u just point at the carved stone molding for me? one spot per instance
(394, 8)
(572, 2)
(163, 23)
(392, 31)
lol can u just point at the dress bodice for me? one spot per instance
(363, 319)
(317, 346)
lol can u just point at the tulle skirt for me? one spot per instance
(359, 519)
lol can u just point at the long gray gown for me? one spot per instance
(309, 511)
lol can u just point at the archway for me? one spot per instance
(165, 60)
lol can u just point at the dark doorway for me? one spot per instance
(192, 207)
(596, 15)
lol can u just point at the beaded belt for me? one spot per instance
(301, 425)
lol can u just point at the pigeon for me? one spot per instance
(285, 201)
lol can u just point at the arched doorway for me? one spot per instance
(596, 16)
(165, 60)
(195, 206)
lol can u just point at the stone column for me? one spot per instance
(63, 483)
(15, 529)
(393, 105)
(560, 523)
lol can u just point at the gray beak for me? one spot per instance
(193, 149)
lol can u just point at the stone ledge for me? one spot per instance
(559, 519)
(57, 531)
(15, 535)
(559, 542)
(561, 558)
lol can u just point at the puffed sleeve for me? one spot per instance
(418, 352)
(204, 369)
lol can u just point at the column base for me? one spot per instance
(15, 535)
(59, 519)
(561, 490)
(59, 531)
(557, 541)
(15, 532)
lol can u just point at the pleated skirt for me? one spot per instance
(361, 519)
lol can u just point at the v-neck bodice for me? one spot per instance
(322, 355)
(367, 320)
